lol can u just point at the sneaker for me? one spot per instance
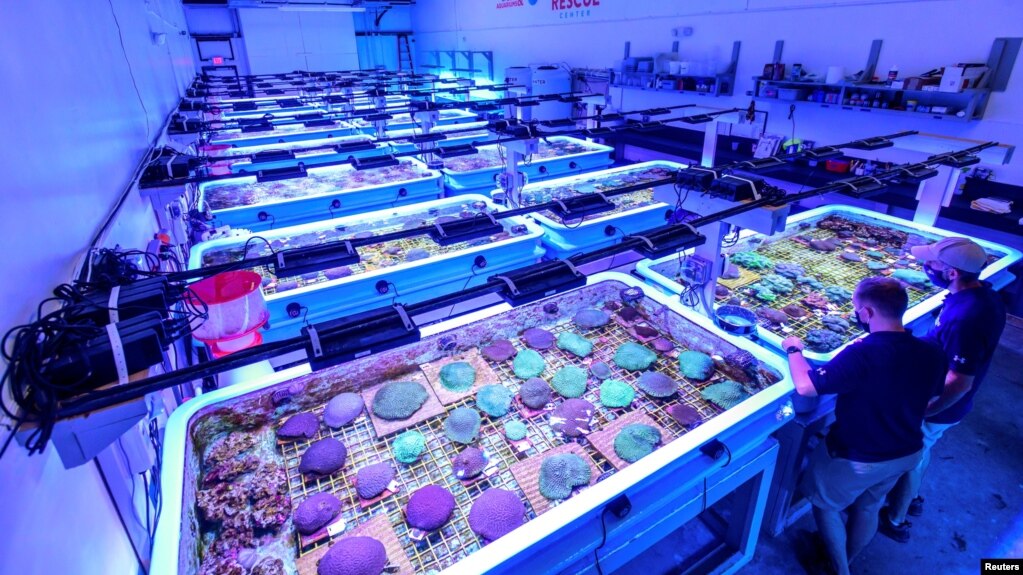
(898, 532)
(916, 507)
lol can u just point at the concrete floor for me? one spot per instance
(973, 489)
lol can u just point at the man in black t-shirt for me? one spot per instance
(968, 329)
(884, 383)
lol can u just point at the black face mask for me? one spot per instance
(938, 278)
(860, 323)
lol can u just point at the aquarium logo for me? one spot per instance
(512, 4)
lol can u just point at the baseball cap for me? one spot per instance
(960, 253)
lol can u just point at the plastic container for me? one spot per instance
(791, 94)
(236, 311)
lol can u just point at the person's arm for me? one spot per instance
(800, 368)
(956, 386)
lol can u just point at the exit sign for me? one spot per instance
(218, 60)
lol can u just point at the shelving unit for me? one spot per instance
(959, 207)
(721, 84)
(462, 62)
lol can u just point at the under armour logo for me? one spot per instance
(821, 371)
(958, 359)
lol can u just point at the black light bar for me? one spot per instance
(373, 162)
(526, 285)
(580, 206)
(315, 258)
(453, 151)
(333, 342)
(465, 229)
(666, 240)
(275, 174)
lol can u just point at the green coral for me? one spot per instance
(569, 381)
(777, 283)
(633, 356)
(837, 294)
(575, 344)
(763, 293)
(696, 365)
(408, 446)
(877, 266)
(810, 282)
(874, 254)
(616, 393)
(457, 376)
(399, 400)
(528, 363)
(462, 425)
(494, 400)
(560, 474)
(515, 430)
(726, 394)
(751, 260)
(636, 441)
(912, 277)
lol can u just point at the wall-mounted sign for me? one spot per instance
(562, 9)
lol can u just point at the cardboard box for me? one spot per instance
(961, 77)
(919, 82)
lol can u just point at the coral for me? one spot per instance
(462, 425)
(527, 364)
(777, 283)
(850, 257)
(457, 376)
(537, 338)
(726, 394)
(230, 446)
(569, 381)
(226, 504)
(731, 272)
(416, 254)
(299, 426)
(837, 294)
(864, 230)
(353, 556)
(877, 266)
(408, 446)
(633, 356)
(218, 565)
(429, 508)
(469, 463)
(560, 474)
(616, 393)
(494, 400)
(600, 370)
(684, 414)
(789, 270)
(835, 323)
(823, 340)
(762, 292)
(515, 430)
(721, 291)
(643, 332)
(399, 400)
(495, 513)
(268, 566)
(828, 245)
(636, 441)
(695, 365)
(535, 393)
(499, 350)
(337, 273)
(772, 315)
(810, 282)
(795, 311)
(342, 409)
(662, 345)
(914, 278)
(591, 318)
(751, 260)
(372, 480)
(230, 469)
(575, 344)
(656, 384)
(572, 417)
(815, 300)
(629, 314)
(268, 491)
(323, 457)
(316, 511)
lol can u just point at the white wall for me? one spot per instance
(73, 131)
(918, 35)
(278, 41)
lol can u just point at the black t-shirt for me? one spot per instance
(968, 329)
(884, 383)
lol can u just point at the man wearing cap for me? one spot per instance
(968, 329)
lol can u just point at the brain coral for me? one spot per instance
(299, 426)
(469, 463)
(726, 394)
(354, 556)
(429, 508)
(560, 474)
(462, 425)
(408, 446)
(399, 400)
(495, 513)
(323, 457)
(372, 480)
(635, 441)
(342, 409)
(590, 318)
(457, 376)
(316, 511)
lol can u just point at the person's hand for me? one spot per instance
(792, 341)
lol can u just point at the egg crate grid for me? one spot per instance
(406, 244)
(539, 432)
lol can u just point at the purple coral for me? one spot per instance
(429, 508)
(323, 457)
(495, 513)
(373, 480)
(299, 426)
(591, 318)
(600, 370)
(537, 338)
(315, 512)
(687, 416)
(572, 417)
(535, 393)
(469, 463)
(354, 556)
(499, 350)
(656, 384)
(342, 409)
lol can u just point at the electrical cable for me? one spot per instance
(603, 541)
(131, 73)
